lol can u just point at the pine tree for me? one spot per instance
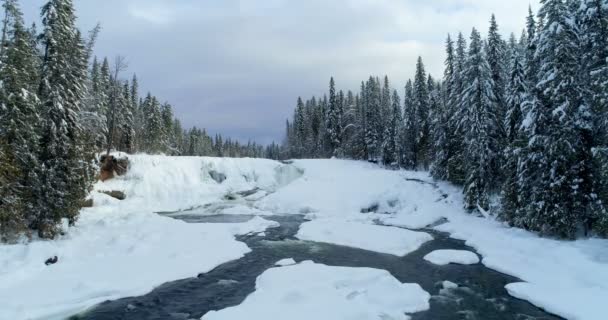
(515, 99)
(479, 120)
(65, 168)
(495, 53)
(334, 120)
(374, 128)
(456, 163)
(20, 118)
(593, 20)
(556, 170)
(410, 128)
(422, 128)
(391, 143)
(442, 130)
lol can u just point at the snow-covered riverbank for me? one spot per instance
(122, 248)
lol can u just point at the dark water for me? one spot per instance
(480, 295)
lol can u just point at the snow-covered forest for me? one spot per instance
(60, 106)
(520, 122)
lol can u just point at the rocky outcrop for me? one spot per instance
(115, 194)
(111, 166)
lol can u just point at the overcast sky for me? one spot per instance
(236, 67)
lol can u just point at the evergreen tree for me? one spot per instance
(374, 128)
(479, 120)
(442, 130)
(515, 99)
(334, 120)
(18, 119)
(422, 128)
(456, 163)
(64, 168)
(391, 144)
(593, 20)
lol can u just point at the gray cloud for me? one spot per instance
(236, 67)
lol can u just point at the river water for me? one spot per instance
(480, 295)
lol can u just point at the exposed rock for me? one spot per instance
(372, 208)
(115, 194)
(112, 166)
(217, 176)
(88, 203)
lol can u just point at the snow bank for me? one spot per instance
(314, 291)
(389, 240)
(122, 248)
(443, 257)
(109, 256)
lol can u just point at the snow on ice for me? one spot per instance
(285, 262)
(389, 240)
(443, 257)
(314, 291)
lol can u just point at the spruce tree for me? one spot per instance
(515, 99)
(422, 128)
(64, 167)
(374, 127)
(20, 118)
(442, 130)
(334, 120)
(391, 143)
(479, 120)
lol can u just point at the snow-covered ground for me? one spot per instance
(122, 248)
(443, 257)
(567, 278)
(314, 291)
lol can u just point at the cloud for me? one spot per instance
(237, 66)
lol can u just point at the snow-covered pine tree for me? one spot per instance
(154, 142)
(12, 219)
(65, 166)
(385, 110)
(422, 129)
(593, 20)
(555, 171)
(374, 128)
(410, 128)
(20, 119)
(349, 124)
(515, 98)
(334, 120)
(478, 121)
(435, 115)
(495, 53)
(126, 140)
(442, 132)
(456, 162)
(167, 123)
(390, 145)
